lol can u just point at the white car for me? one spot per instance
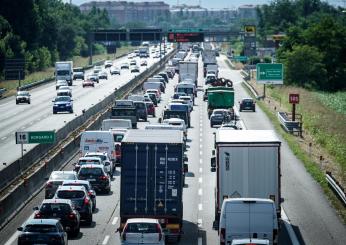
(108, 63)
(142, 231)
(60, 83)
(188, 100)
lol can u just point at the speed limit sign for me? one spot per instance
(22, 137)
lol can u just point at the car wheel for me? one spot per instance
(71, 111)
(29, 102)
(239, 110)
(89, 220)
(17, 103)
(154, 115)
(211, 125)
(75, 233)
(94, 207)
(83, 86)
(145, 119)
(54, 112)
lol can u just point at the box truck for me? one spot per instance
(247, 165)
(64, 71)
(188, 70)
(152, 178)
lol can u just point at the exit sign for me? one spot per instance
(35, 137)
(293, 98)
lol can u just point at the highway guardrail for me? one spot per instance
(2, 91)
(333, 183)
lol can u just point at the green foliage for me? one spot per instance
(254, 60)
(335, 101)
(99, 49)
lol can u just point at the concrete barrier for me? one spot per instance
(13, 201)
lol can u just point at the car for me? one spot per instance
(142, 112)
(115, 71)
(187, 98)
(88, 83)
(87, 160)
(144, 63)
(108, 63)
(142, 231)
(150, 108)
(157, 92)
(106, 161)
(133, 63)
(78, 73)
(60, 83)
(103, 75)
(230, 125)
(157, 55)
(134, 68)
(80, 199)
(55, 179)
(219, 116)
(153, 98)
(64, 92)
(62, 104)
(96, 175)
(62, 209)
(42, 231)
(87, 186)
(176, 95)
(164, 75)
(93, 78)
(125, 66)
(23, 97)
(130, 56)
(247, 104)
(97, 70)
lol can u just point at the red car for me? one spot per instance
(150, 108)
(88, 83)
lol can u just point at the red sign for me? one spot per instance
(294, 98)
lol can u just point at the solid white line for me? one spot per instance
(200, 180)
(200, 206)
(200, 241)
(115, 220)
(105, 241)
(289, 228)
(200, 192)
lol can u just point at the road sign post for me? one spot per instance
(293, 99)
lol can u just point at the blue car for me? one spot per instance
(62, 104)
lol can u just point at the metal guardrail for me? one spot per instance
(2, 91)
(336, 187)
(289, 125)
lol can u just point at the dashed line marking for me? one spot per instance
(200, 179)
(200, 170)
(3, 138)
(115, 220)
(200, 192)
(200, 152)
(200, 161)
(200, 207)
(105, 241)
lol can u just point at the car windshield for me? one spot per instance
(91, 171)
(23, 93)
(70, 194)
(78, 184)
(40, 228)
(88, 161)
(140, 105)
(63, 72)
(62, 98)
(218, 113)
(47, 208)
(141, 228)
(62, 176)
(102, 157)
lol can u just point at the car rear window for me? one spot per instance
(70, 194)
(55, 207)
(62, 176)
(90, 171)
(118, 137)
(141, 228)
(140, 105)
(78, 184)
(40, 228)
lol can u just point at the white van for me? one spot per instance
(98, 141)
(187, 88)
(108, 124)
(244, 218)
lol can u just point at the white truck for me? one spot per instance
(247, 165)
(188, 70)
(213, 69)
(64, 71)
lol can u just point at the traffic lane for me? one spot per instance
(313, 219)
(43, 118)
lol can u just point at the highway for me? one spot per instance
(39, 114)
(314, 221)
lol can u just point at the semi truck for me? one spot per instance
(188, 70)
(64, 71)
(247, 165)
(152, 177)
(220, 97)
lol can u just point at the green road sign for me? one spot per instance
(35, 137)
(268, 73)
(240, 58)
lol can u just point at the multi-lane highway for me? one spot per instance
(39, 114)
(312, 218)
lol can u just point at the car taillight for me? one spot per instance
(71, 216)
(103, 177)
(86, 201)
(158, 230)
(49, 184)
(222, 236)
(38, 215)
(117, 149)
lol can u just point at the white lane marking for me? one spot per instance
(200, 152)
(105, 241)
(200, 170)
(200, 206)
(3, 138)
(199, 222)
(200, 161)
(200, 180)
(200, 139)
(289, 228)
(200, 192)
(200, 134)
(115, 220)
(12, 238)
(200, 241)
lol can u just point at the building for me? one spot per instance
(123, 12)
(247, 12)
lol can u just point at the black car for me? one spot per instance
(42, 231)
(86, 185)
(153, 98)
(165, 76)
(96, 175)
(247, 104)
(61, 209)
(219, 116)
(23, 97)
(80, 199)
(142, 111)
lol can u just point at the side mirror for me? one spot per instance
(53, 101)
(107, 163)
(186, 168)
(20, 229)
(185, 158)
(213, 152)
(35, 208)
(46, 178)
(213, 170)
(74, 164)
(213, 162)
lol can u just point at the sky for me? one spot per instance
(208, 3)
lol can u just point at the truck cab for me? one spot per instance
(125, 109)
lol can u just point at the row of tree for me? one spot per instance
(313, 51)
(44, 31)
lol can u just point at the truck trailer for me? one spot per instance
(188, 70)
(64, 71)
(247, 165)
(152, 178)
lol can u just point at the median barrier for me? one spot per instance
(13, 201)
